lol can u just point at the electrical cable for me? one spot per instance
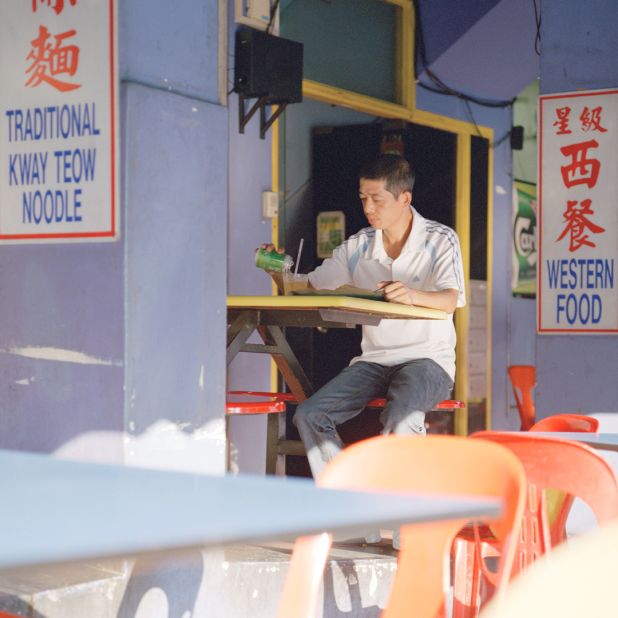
(273, 12)
(537, 38)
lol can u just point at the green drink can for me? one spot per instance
(272, 261)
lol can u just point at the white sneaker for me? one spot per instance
(373, 537)
(396, 540)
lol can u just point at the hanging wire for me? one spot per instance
(437, 85)
(537, 38)
(273, 13)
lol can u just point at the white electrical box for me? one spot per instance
(270, 204)
(259, 10)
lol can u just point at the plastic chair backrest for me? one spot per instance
(438, 464)
(567, 422)
(579, 580)
(559, 504)
(523, 380)
(571, 467)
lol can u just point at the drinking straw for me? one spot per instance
(300, 250)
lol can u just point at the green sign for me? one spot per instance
(524, 239)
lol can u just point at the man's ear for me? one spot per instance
(405, 198)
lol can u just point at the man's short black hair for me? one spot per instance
(395, 171)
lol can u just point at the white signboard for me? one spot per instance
(58, 121)
(577, 289)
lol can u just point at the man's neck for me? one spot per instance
(395, 237)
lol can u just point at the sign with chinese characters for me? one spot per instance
(58, 121)
(577, 289)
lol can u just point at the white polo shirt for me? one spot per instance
(429, 261)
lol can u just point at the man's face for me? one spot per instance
(382, 209)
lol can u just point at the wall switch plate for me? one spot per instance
(270, 204)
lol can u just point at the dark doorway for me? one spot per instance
(337, 154)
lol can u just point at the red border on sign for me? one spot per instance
(112, 232)
(539, 274)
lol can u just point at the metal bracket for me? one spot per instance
(265, 124)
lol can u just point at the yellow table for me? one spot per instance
(270, 314)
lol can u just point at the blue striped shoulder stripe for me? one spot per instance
(366, 231)
(445, 230)
(363, 236)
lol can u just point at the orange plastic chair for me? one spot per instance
(270, 405)
(567, 422)
(579, 580)
(559, 504)
(437, 464)
(571, 467)
(523, 380)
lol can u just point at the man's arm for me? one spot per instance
(398, 292)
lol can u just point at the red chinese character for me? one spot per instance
(577, 223)
(591, 119)
(563, 120)
(58, 6)
(52, 59)
(581, 170)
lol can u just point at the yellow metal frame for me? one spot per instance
(406, 110)
(462, 315)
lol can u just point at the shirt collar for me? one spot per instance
(414, 243)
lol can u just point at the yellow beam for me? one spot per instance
(274, 230)
(490, 276)
(462, 315)
(359, 102)
(429, 119)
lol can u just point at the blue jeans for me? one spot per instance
(411, 389)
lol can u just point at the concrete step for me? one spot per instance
(238, 582)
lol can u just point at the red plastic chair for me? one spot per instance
(447, 404)
(233, 408)
(571, 467)
(523, 380)
(567, 422)
(444, 465)
(287, 398)
(559, 504)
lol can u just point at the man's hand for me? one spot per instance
(398, 292)
(270, 247)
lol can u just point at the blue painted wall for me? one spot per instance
(117, 337)
(250, 173)
(579, 48)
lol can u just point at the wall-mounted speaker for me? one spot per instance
(268, 66)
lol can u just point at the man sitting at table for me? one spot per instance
(415, 261)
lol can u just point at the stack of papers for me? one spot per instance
(344, 290)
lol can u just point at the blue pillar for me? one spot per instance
(116, 351)
(579, 45)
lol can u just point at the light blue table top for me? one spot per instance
(57, 511)
(601, 441)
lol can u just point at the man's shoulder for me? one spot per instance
(363, 236)
(439, 232)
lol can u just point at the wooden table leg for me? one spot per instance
(298, 383)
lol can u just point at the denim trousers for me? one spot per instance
(411, 389)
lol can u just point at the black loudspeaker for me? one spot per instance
(268, 66)
(517, 138)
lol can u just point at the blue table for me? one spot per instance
(601, 441)
(57, 511)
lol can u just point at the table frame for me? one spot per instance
(269, 315)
